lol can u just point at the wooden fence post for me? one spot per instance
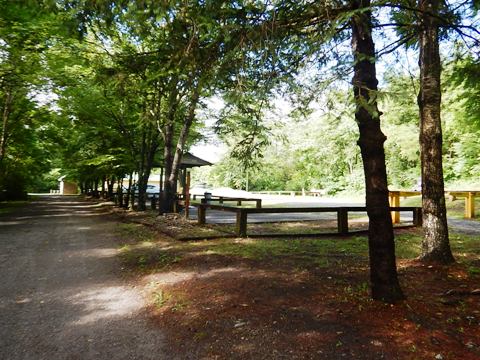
(202, 214)
(241, 226)
(259, 203)
(342, 221)
(154, 202)
(417, 217)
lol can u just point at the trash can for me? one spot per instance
(207, 197)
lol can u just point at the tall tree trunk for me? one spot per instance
(169, 188)
(142, 183)
(435, 245)
(171, 176)
(383, 271)
(128, 198)
(95, 192)
(5, 115)
(104, 179)
(151, 146)
(120, 191)
(110, 187)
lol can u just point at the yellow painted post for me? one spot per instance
(394, 198)
(470, 206)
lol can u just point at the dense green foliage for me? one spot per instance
(27, 131)
(319, 151)
(127, 74)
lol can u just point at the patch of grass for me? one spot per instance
(135, 232)
(325, 252)
(462, 242)
(409, 245)
(294, 227)
(7, 207)
(160, 298)
(146, 256)
(313, 251)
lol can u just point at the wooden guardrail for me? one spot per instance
(222, 199)
(342, 214)
(275, 192)
(469, 195)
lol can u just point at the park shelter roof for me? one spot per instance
(188, 161)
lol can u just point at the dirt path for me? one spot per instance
(60, 294)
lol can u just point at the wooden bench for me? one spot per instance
(342, 214)
(469, 195)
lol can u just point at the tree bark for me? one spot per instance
(435, 244)
(174, 158)
(169, 188)
(130, 197)
(5, 116)
(110, 187)
(383, 272)
(151, 146)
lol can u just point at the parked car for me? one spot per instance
(151, 189)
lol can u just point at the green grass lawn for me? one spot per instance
(145, 251)
(9, 206)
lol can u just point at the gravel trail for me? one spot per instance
(61, 296)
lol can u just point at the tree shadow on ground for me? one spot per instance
(305, 299)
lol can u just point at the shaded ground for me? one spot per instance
(304, 298)
(61, 293)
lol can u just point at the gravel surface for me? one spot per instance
(61, 296)
(462, 226)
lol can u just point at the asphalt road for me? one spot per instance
(61, 296)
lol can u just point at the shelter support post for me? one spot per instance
(394, 197)
(470, 205)
(187, 194)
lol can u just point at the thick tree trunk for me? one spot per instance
(110, 187)
(95, 192)
(104, 179)
(142, 182)
(128, 198)
(120, 192)
(383, 271)
(435, 245)
(5, 115)
(167, 196)
(145, 174)
(172, 166)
